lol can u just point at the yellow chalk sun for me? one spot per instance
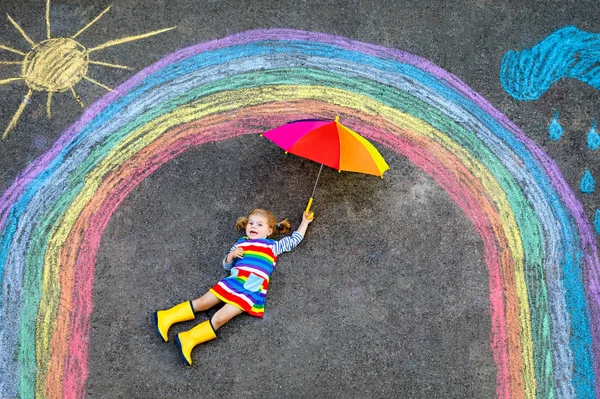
(58, 64)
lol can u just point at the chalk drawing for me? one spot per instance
(57, 64)
(597, 221)
(555, 129)
(593, 138)
(567, 53)
(587, 182)
(538, 245)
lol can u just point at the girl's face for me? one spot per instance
(258, 227)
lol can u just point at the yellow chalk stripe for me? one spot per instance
(129, 39)
(98, 83)
(49, 105)
(222, 102)
(77, 98)
(17, 115)
(21, 31)
(5, 81)
(91, 23)
(12, 50)
(48, 19)
(106, 64)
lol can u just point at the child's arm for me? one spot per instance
(306, 220)
(290, 242)
(233, 254)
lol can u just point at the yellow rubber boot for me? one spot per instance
(187, 340)
(164, 319)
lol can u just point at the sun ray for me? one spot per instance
(49, 105)
(128, 39)
(11, 62)
(77, 98)
(21, 31)
(48, 18)
(91, 23)
(5, 81)
(17, 115)
(98, 83)
(12, 50)
(106, 64)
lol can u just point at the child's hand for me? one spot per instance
(236, 253)
(307, 217)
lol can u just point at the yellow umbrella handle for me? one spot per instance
(309, 214)
(310, 201)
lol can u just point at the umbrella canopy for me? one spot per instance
(329, 143)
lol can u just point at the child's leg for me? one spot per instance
(224, 314)
(205, 302)
(204, 331)
(164, 319)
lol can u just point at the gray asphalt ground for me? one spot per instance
(388, 294)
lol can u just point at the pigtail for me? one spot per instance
(283, 227)
(241, 223)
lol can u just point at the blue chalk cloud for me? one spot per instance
(567, 53)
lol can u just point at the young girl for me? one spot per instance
(251, 262)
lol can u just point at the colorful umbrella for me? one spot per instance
(329, 143)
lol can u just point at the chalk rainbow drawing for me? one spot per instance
(57, 64)
(567, 53)
(539, 247)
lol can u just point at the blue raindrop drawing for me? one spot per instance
(555, 129)
(587, 182)
(593, 138)
(597, 221)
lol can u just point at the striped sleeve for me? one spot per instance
(228, 266)
(287, 243)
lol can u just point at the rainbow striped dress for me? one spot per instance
(248, 283)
